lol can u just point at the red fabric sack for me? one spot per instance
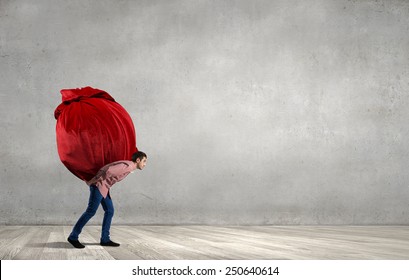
(92, 131)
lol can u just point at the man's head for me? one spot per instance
(140, 159)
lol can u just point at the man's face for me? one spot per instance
(140, 164)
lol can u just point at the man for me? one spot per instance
(99, 194)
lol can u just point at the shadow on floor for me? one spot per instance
(56, 245)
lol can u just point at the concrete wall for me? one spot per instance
(251, 112)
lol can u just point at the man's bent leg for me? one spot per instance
(106, 223)
(95, 198)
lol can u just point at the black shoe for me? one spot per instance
(110, 243)
(76, 243)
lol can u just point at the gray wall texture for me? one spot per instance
(251, 112)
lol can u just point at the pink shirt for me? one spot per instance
(110, 174)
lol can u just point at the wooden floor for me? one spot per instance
(209, 242)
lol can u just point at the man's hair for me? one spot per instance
(139, 155)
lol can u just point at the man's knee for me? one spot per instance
(91, 211)
(109, 211)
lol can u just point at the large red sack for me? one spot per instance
(92, 131)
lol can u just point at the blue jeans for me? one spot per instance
(95, 198)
